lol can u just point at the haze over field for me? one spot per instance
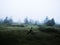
(33, 9)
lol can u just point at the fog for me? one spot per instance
(33, 9)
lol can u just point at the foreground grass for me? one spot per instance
(19, 36)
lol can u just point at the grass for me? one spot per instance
(18, 36)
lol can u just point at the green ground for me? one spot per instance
(10, 35)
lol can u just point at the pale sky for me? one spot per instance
(33, 9)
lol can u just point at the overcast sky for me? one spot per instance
(33, 9)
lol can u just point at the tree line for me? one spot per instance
(47, 21)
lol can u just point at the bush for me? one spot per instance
(49, 29)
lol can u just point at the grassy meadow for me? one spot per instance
(41, 35)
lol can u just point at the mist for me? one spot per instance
(33, 9)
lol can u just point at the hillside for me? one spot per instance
(10, 35)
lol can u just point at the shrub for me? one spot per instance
(49, 29)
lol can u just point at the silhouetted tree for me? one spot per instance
(50, 22)
(37, 23)
(46, 20)
(31, 21)
(26, 21)
(8, 21)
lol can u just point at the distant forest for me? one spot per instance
(47, 21)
